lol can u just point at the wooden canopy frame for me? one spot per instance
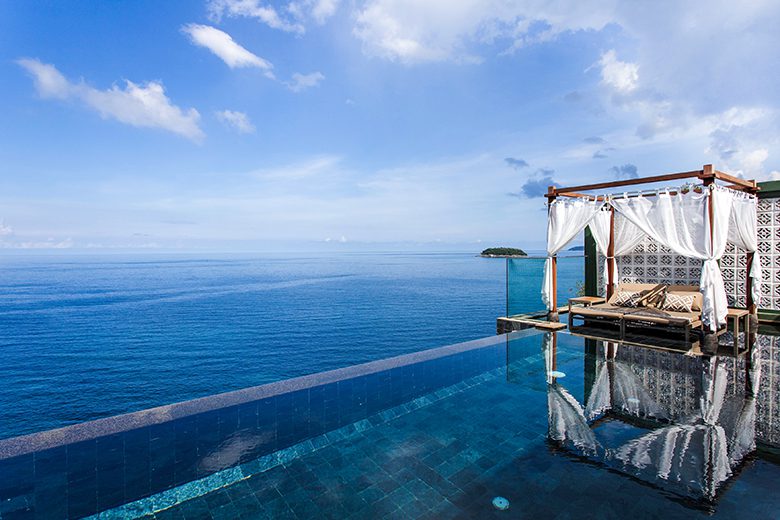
(707, 175)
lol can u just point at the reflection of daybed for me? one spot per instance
(646, 311)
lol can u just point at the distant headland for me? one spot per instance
(502, 252)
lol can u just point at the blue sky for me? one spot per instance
(254, 125)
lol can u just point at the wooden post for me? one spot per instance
(611, 254)
(553, 314)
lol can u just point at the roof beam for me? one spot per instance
(625, 182)
(707, 175)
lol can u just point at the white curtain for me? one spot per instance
(681, 223)
(566, 219)
(627, 238)
(743, 232)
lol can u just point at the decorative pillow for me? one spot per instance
(627, 299)
(677, 302)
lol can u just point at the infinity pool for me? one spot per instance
(555, 424)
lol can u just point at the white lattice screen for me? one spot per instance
(653, 263)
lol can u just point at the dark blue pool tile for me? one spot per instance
(16, 476)
(50, 461)
(247, 416)
(228, 420)
(82, 498)
(51, 499)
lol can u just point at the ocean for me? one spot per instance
(85, 337)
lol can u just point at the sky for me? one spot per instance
(241, 125)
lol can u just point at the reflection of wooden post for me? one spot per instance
(749, 303)
(611, 254)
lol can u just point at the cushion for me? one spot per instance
(678, 302)
(627, 298)
(698, 299)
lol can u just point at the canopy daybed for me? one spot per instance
(693, 220)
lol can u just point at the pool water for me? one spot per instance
(559, 426)
(450, 459)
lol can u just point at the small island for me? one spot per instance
(502, 252)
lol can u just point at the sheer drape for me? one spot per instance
(627, 237)
(743, 232)
(566, 219)
(681, 222)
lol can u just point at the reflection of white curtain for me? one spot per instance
(694, 454)
(627, 238)
(621, 390)
(565, 220)
(566, 422)
(681, 223)
(547, 349)
(631, 396)
(743, 232)
(743, 439)
(599, 400)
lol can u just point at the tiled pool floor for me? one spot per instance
(449, 459)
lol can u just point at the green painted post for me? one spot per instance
(591, 265)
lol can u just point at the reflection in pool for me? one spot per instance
(690, 443)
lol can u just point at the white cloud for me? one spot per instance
(621, 76)
(51, 243)
(225, 48)
(5, 229)
(236, 120)
(319, 10)
(300, 82)
(256, 9)
(136, 105)
(316, 166)
(413, 31)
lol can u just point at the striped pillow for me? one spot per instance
(627, 299)
(678, 302)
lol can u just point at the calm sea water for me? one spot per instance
(89, 337)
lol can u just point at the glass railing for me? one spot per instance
(524, 282)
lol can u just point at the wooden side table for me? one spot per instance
(585, 301)
(735, 315)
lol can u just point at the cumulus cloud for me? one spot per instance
(300, 82)
(599, 154)
(621, 76)
(238, 121)
(290, 17)
(626, 171)
(536, 185)
(411, 31)
(222, 45)
(516, 163)
(318, 10)
(137, 105)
